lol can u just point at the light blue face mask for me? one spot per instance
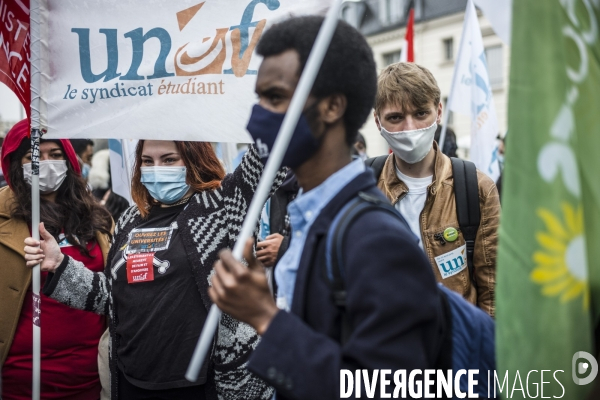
(165, 184)
(85, 170)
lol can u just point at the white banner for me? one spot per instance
(499, 13)
(155, 69)
(471, 95)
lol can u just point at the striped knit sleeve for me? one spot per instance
(76, 286)
(239, 188)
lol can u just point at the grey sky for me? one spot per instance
(10, 107)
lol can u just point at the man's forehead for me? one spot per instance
(404, 109)
(279, 69)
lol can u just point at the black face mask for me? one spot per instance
(264, 126)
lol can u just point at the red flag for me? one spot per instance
(14, 48)
(408, 52)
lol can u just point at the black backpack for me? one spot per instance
(466, 192)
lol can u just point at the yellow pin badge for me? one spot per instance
(450, 234)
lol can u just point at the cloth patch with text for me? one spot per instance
(453, 262)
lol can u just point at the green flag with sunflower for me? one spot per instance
(548, 263)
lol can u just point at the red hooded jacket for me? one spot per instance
(13, 140)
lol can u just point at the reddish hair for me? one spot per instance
(204, 171)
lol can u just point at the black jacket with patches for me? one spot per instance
(211, 222)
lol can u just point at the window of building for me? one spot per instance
(391, 11)
(347, 15)
(448, 49)
(394, 10)
(391, 58)
(493, 56)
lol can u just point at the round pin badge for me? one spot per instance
(450, 234)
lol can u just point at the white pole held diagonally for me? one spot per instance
(36, 132)
(313, 64)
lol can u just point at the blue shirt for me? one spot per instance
(303, 211)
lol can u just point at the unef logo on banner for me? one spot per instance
(211, 62)
(146, 67)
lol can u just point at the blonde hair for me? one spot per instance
(407, 85)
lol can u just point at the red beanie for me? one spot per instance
(13, 140)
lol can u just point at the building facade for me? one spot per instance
(437, 32)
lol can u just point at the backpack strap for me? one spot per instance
(466, 193)
(334, 249)
(376, 164)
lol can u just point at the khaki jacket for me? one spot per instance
(439, 213)
(15, 276)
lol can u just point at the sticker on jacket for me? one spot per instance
(146, 241)
(453, 262)
(150, 240)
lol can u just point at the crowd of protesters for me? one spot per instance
(126, 290)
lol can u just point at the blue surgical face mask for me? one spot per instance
(85, 170)
(165, 184)
(264, 126)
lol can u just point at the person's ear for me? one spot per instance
(332, 108)
(377, 120)
(439, 114)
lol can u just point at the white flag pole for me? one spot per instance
(34, 23)
(454, 80)
(313, 64)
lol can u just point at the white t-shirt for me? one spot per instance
(413, 203)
